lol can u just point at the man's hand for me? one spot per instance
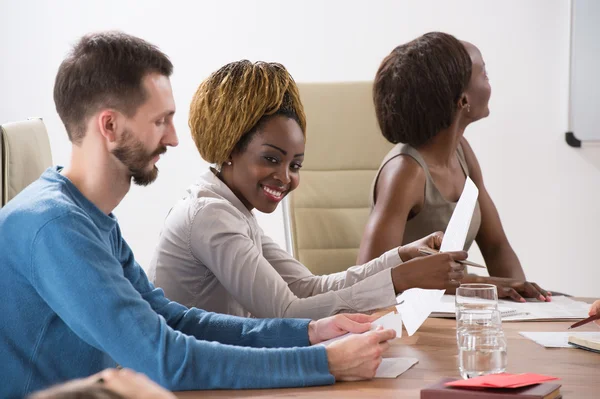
(357, 357)
(334, 326)
(595, 309)
(411, 250)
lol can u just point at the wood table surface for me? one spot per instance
(434, 344)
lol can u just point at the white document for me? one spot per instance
(458, 227)
(446, 308)
(392, 367)
(390, 320)
(415, 305)
(560, 308)
(558, 339)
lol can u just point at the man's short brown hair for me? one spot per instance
(104, 70)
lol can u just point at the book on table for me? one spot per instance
(591, 344)
(440, 390)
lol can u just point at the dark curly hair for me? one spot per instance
(418, 86)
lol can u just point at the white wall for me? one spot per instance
(547, 193)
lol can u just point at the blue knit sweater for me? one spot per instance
(75, 301)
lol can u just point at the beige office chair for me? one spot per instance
(326, 215)
(25, 154)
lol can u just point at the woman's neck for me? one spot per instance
(440, 150)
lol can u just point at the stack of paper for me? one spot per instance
(560, 308)
(447, 309)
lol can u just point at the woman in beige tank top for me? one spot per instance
(426, 93)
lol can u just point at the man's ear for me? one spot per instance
(108, 124)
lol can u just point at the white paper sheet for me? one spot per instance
(392, 367)
(415, 305)
(446, 308)
(458, 227)
(390, 320)
(557, 339)
(560, 308)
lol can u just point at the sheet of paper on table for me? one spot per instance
(392, 367)
(560, 308)
(558, 339)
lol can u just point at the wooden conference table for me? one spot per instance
(434, 344)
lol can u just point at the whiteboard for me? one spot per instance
(584, 91)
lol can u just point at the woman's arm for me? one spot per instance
(220, 240)
(400, 188)
(499, 256)
(503, 265)
(305, 284)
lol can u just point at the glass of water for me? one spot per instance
(481, 351)
(481, 343)
(476, 296)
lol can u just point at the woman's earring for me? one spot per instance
(468, 107)
(229, 163)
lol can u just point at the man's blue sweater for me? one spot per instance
(75, 301)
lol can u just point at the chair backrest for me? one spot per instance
(327, 213)
(25, 155)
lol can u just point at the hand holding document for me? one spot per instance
(389, 367)
(429, 251)
(390, 320)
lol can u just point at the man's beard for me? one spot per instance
(132, 153)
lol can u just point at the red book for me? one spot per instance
(439, 390)
(502, 380)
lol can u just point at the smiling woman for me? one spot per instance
(248, 120)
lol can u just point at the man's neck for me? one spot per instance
(98, 179)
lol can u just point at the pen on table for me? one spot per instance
(585, 321)
(428, 251)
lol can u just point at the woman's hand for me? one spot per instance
(517, 290)
(439, 271)
(411, 250)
